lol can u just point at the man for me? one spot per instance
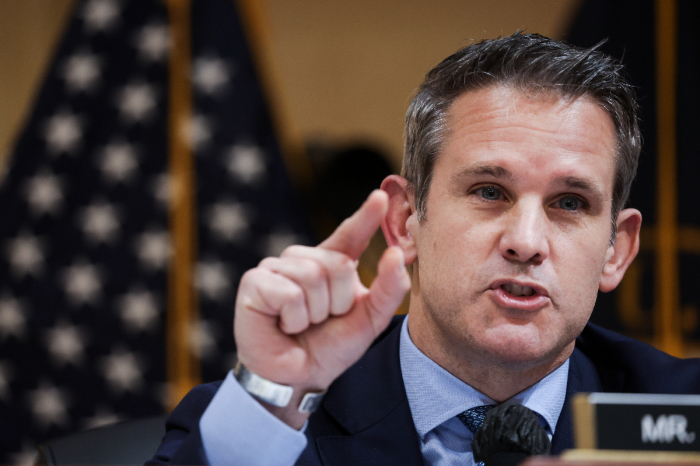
(518, 161)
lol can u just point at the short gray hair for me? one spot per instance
(528, 63)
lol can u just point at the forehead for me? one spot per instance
(539, 132)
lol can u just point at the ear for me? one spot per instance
(401, 209)
(622, 253)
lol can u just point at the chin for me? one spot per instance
(516, 358)
(519, 349)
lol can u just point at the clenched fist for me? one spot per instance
(302, 319)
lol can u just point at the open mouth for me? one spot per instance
(517, 290)
(511, 295)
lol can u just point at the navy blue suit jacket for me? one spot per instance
(365, 417)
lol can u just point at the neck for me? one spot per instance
(498, 379)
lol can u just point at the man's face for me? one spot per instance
(517, 228)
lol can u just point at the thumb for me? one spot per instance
(353, 235)
(388, 289)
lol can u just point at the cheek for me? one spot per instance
(582, 253)
(454, 253)
(580, 278)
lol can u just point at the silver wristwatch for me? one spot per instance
(274, 393)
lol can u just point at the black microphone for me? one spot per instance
(509, 435)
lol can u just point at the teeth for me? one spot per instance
(517, 290)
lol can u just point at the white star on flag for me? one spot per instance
(85, 243)
(246, 163)
(44, 193)
(63, 132)
(137, 102)
(161, 185)
(229, 221)
(210, 75)
(100, 222)
(118, 162)
(199, 132)
(100, 15)
(278, 242)
(153, 42)
(204, 338)
(66, 343)
(123, 371)
(82, 72)
(13, 321)
(213, 280)
(83, 283)
(26, 254)
(153, 249)
(139, 311)
(49, 405)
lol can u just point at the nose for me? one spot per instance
(525, 237)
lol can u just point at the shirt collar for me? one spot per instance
(435, 395)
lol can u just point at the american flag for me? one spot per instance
(84, 240)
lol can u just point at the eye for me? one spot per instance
(570, 203)
(490, 193)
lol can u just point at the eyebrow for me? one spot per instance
(499, 172)
(484, 170)
(584, 185)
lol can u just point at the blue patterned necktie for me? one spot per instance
(473, 418)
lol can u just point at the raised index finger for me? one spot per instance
(353, 235)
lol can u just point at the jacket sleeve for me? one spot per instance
(230, 427)
(182, 443)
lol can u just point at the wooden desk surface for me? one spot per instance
(616, 458)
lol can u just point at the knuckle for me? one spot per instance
(293, 319)
(318, 317)
(287, 327)
(342, 300)
(312, 272)
(296, 296)
(346, 266)
(293, 250)
(268, 262)
(250, 275)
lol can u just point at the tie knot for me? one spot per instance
(474, 417)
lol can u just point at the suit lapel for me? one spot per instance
(588, 372)
(369, 402)
(584, 377)
(393, 440)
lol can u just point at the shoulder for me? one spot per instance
(193, 404)
(366, 391)
(182, 441)
(641, 367)
(394, 324)
(183, 423)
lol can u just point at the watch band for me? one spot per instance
(274, 393)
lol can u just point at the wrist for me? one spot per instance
(277, 395)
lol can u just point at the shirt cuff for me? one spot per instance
(237, 429)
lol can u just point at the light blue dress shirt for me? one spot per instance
(236, 429)
(436, 397)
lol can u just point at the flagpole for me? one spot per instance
(667, 318)
(255, 22)
(183, 367)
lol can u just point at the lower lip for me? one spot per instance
(525, 303)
